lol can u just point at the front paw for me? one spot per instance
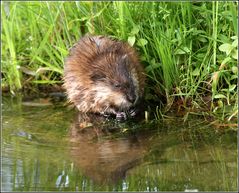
(121, 116)
(132, 112)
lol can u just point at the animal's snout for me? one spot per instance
(131, 97)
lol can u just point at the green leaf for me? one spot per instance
(235, 70)
(234, 37)
(142, 42)
(232, 87)
(202, 39)
(220, 104)
(234, 77)
(143, 58)
(235, 43)
(196, 72)
(153, 65)
(179, 51)
(226, 48)
(183, 50)
(235, 54)
(219, 96)
(196, 32)
(186, 49)
(131, 40)
(227, 59)
(135, 30)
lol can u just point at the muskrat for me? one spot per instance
(104, 75)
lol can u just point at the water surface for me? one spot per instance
(48, 147)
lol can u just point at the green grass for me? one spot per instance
(189, 50)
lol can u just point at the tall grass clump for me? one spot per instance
(189, 49)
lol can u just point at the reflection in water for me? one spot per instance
(62, 181)
(185, 157)
(43, 149)
(103, 158)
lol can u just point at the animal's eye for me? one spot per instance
(97, 76)
(117, 85)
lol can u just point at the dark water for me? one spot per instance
(51, 148)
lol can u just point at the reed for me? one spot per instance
(189, 50)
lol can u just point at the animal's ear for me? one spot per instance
(97, 76)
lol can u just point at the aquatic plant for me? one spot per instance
(189, 49)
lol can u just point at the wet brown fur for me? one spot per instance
(95, 64)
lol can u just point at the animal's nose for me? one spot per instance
(131, 98)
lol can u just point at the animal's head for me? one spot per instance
(115, 81)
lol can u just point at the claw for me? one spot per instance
(121, 116)
(132, 112)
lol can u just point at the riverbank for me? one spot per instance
(189, 50)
